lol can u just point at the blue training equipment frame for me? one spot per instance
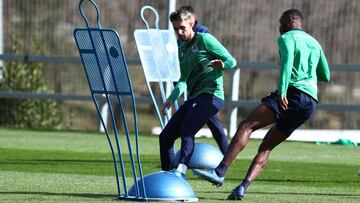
(157, 49)
(107, 74)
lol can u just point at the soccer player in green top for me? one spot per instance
(202, 62)
(303, 63)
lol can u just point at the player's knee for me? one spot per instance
(245, 127)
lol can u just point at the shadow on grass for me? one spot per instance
(307, 194)
(289, 193)
(83, 195)
(305, 181)
(280, 193)
(237, 180)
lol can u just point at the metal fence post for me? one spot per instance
(233, 109)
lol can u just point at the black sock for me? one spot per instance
(221, 169)
(245, 183)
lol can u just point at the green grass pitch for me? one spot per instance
(50, 166)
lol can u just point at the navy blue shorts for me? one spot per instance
(300, 108)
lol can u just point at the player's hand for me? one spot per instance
(165, 106)
(283, 102)
(217, 63)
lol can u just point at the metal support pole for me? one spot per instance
(172, 8)
(1, 41)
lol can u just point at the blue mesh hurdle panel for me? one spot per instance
(102, 76)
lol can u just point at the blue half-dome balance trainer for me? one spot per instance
(204, 156)
(107, 74)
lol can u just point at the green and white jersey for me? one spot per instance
(303, 63)
(196, 75)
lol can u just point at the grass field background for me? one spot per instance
(48, 166)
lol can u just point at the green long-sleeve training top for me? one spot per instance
(303, 63)
(196, 73)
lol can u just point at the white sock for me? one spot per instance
(182, 168)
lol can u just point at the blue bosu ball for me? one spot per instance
(165, 186)
(204, 156)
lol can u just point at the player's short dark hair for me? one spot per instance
(293, 13)
(180, 15)
(188, 8)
